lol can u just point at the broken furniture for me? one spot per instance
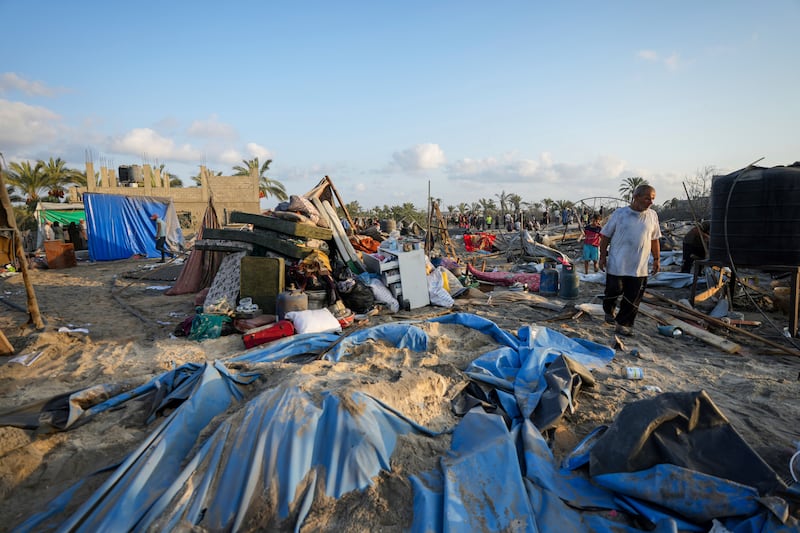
(794, 292)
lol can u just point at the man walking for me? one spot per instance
(161, 235)
(626, 241)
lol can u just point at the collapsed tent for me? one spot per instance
(119, 227)
(264, 464)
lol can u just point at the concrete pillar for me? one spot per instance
(148, 180)
(91, 184)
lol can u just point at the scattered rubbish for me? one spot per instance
(634, 372)
(652, 388)
(26, 359)
(73, 330)
(670, 331)
(158, 287)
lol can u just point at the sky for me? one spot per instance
(464, 99)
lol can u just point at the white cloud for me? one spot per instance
(211, 128)
(511, 169)
(256, 150)
(231, 156)
(144, 142)
(11, 81)
(24, 124)
(420, 157)
(648, 55)
(671, 62)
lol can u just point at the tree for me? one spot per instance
(629, 185)
(516, 202)
(502, 197)
(266, 187)
(57, 172)
(30, 180)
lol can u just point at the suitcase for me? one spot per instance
(268, 333)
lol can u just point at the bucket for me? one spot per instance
(548, 283)
(317, 299)
(388, 225)
(569, 282)
(290, 300)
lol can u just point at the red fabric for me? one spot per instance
(480, 241)
(507, 278)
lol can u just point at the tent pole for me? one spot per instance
(35, 316)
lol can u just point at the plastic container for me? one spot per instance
(569, 282)
(548, 283)
(292, 299)
(634, 372)
(670, 331)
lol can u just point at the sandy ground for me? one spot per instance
(129, 341)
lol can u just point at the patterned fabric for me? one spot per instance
(224, 289)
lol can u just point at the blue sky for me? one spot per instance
(556, 100)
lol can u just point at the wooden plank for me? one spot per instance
(338, 228)
(216, 245)
(268, 241)
(688, 329)
(287, 227)
(722, 324)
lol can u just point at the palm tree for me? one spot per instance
(629, 185)
(31, 181)
(502, 197)
(516, 202)
(57, 171)
(266, 187)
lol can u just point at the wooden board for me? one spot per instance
(287, 227)
(340, 237)
(268, 241)
(338, 228)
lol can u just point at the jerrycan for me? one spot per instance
(569, 282)
(548, 283)
(292, 299)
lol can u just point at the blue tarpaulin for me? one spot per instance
(267, 462)
(119, 227)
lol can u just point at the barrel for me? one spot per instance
(290, 300)
(569, 282)
(548, 282)
(388, 225)
(755, 217)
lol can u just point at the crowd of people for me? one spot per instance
(74, 233)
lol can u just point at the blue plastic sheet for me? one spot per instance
(292, 447)
(120, 227)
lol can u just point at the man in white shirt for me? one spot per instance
(628, 238)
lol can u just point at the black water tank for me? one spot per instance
(758, 209)
(126, 174)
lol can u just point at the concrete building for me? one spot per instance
(229, 193)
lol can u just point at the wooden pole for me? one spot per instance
(35, 316)
(720, 323)
(341, 203)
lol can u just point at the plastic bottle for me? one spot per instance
(569, 282)
(292, 299)
(548, 283)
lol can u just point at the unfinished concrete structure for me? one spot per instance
(229, 193)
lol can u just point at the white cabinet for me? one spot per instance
(403, 273)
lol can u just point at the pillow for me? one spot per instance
(314, 321)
